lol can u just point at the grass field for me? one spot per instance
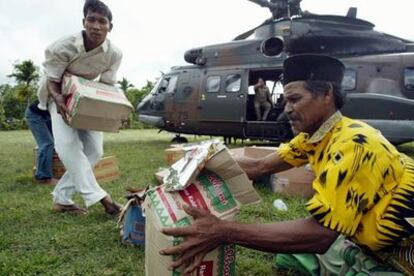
(36, 241)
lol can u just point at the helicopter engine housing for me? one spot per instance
(272, 47)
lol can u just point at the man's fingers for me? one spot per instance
(64, 115)
(177, 249)
(195, 212)
(187, 257)
(177, 231)
(196, 263)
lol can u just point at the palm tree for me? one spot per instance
(124, 84)
(26, 75)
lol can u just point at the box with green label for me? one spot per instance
(94, 105)
(221, 188)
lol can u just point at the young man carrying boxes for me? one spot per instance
(88, 54)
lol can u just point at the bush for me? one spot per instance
(12, 123)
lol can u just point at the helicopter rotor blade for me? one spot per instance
(249, 32)
(245, 34)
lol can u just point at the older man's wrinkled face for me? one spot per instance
(306, 112)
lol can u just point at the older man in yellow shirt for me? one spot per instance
(364, 188)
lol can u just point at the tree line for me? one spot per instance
(14, 99)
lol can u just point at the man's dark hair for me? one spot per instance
(318, 88)
(97, 6)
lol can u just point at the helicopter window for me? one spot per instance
(233, 83)
(349, 81)
(409, 78)
(172, 84)
(213, 84)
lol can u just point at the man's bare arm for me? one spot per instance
(208, 232)
(55, 91)
(301, 235)
(255, 168)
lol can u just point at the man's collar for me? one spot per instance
(325, 127)
(81, 46)
(79, 42)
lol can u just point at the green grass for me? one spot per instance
(36, 241)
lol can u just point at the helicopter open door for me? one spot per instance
(223, 97)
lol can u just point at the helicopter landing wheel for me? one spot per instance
(179, 140)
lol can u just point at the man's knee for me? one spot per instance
(267, 106)
(94, 154)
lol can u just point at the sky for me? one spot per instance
(153, 35)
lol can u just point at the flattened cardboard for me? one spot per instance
(223, 164)
(94, 105)
(159, 175)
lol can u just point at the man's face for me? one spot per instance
(97, 27)
(306, 112)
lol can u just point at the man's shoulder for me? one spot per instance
(115, 50)
(65, 41)
(356, 131)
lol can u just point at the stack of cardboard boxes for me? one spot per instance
(105, 171)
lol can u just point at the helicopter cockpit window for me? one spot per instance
(349, 80)
(409, 78)
(213, 84)
(172, 84)
(233, 83)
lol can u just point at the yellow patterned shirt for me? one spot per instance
(364, 188)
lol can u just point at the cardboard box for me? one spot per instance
(258, 152)
(294, 182)
(172, 155)
(105, 171)
(58, 169)
(94, 105)
(220, 188)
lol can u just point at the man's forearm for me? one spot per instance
(256, 168)
(302, 235)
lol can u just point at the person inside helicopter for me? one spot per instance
(262, 100)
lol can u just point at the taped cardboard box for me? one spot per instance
(220, 188)
(105, 171)
(94, 105)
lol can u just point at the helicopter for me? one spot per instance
(214, 94)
